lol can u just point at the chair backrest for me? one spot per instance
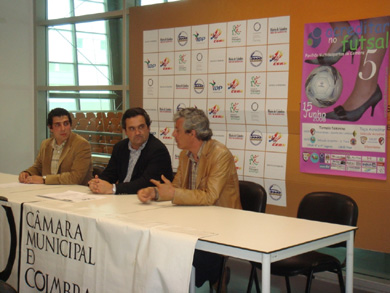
(97, 170)
(253, 196)
(329, 207)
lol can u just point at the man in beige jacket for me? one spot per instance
(63, 159)
(206, 176)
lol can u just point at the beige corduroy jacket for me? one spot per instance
(74, 166)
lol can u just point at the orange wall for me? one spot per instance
(372, 196)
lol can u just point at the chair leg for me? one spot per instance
(341, 280)
(221, 273)
(308, 282)
(288, 284)
(251, 276)
(257, 283)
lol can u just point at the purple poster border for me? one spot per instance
(344, 98)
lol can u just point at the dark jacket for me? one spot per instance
(154, 161)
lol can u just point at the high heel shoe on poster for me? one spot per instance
(352, 45)
(339, 112)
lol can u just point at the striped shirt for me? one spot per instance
(134, 156)
(193, 168)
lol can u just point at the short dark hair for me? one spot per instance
(132, 112)
(57, 112)
(195, 119)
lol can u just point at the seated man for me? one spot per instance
(135, 160)
(206, 176)
(63, 159)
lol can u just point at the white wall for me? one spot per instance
(16, 85)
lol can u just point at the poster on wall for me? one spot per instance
(344, 98)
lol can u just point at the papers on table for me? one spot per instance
(72, 196)
(11, 184)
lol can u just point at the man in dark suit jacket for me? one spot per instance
(135, 160)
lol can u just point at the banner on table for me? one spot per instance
(60, 252)
(63, 252)
(344, 98)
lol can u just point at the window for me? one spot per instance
(85, 67)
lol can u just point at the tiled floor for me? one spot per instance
(240, 275)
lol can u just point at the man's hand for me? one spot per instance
(147, 194)
(35, 179)
(23, 176)
(100, 186)
(166, 191)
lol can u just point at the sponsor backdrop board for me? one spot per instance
(237, 72)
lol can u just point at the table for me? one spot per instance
(245, 235)
(241, 234)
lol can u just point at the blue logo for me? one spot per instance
(275, 192)
(314, 38)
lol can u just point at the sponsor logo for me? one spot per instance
(164, 64)
(215, 87)
(182, 38)
(149, 65)
(165, 131)
(256, 137)
(278, 30)
(254, 106)
(275, 192)
(198, 86)
(234, 108)
(256, 58)
(236, 29)
(255, 81)
(253, 160)
(257, 26)
(314, 38)
(198, 38)
(275, 58)
(213, 111)
(165, 110)
(166, 40)
(233, 85)
(275, 138)
(215, 36)
(182, 59)
(180, 106)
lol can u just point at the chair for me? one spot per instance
(111, 115)
(82, 124)
(79, 115)
(328, 207)
(90, 115)
(95, 148)
(254, 199)
(97, 170)
(253, 196)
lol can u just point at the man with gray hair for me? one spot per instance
(206, 176)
